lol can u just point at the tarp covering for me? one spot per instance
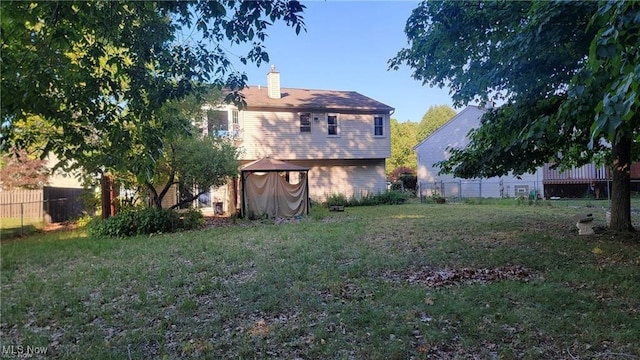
(265, 192)
(269, 164)
(268, 193)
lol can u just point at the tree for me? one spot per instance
(433, 119)
(194, 161)
(403, 139)
(98, 73)
(19, 169)
(566, 72)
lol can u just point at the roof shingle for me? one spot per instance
(308, 99)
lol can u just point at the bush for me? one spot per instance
(151, 220)
(337, 199)
(191, 219)
(146, 221)
(409, 182)
(389, 197)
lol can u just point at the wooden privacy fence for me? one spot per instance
(50, 204)
(21, 203)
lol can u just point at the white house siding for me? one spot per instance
(277, 134)
(454, 134)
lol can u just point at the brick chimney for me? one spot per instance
(273, 83)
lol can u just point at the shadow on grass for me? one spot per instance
(19, 231)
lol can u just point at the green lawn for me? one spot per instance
(11, 227)
(504, 280)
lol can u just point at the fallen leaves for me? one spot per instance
(466, 275)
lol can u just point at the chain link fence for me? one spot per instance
(470, 189)
(25, 211)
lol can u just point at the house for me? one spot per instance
(588, 180)
(342, 137)
(454, 134)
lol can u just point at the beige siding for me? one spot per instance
(346, 177)
(277, 134)
(171, 198)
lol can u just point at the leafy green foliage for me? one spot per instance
(403, 139)
(145, 221)
(433, 119)
(386, 198)
(406, 135)
(203, 162)
(191, 219)
(98, 75)
(615, 51)
(565, 71)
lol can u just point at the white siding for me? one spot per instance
(454, 134)
(277, 134)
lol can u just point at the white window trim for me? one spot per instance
(310, 123)
(384, 130)
(337, 134)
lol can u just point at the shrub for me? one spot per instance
(146, 221)
(396, 186)
(152, 220)
(120, 225)
(392, 197)
(389, 197)
(409, 182)
(191, 219)
(337, 199)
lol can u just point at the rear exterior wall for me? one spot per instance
(277, 134)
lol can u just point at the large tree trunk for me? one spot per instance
(154, 197)
(621, 187)
(108, 195)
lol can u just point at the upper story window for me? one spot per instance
(378, 125)
(218, 122)
(305, 122)
(235, 121)
(332, 125)
(221, 122)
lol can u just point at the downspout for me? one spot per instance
(307, 194)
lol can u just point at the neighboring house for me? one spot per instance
(342, 137)
(454, 134)
(60, 178)
(588, 180)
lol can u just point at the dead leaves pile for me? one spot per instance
(462, 276)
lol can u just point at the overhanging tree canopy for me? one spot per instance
(566, 71)
(99, 72)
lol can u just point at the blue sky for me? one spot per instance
(346, 47)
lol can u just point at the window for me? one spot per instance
(235, 123)
(218, 122)
(378, 126)
(332, 124)
(305, 122)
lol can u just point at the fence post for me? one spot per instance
(21, 219)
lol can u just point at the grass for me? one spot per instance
(348, 285)
(11, 227)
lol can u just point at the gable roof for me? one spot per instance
(309, 99)
(470, 114)
(269, 164)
